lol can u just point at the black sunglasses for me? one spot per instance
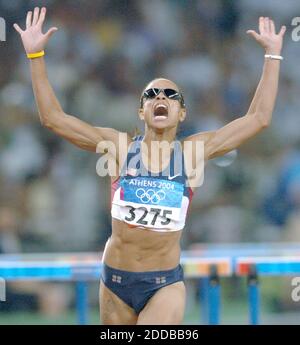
(170, 93)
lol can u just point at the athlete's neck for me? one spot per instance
(151, 135)
(157, 157)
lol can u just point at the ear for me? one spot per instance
(182, 115)
(141, 114)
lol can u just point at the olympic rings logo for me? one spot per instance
(150, 195)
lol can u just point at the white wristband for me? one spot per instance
(273, 57)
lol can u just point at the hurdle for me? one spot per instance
(86, 267)
(207, 263)
(208, 271)
(253, 267)
(80, 268)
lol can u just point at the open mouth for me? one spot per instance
(161, 112)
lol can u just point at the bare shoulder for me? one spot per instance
(204, 136)
(114, 145)
(112, 140)
(194, 151)
(195, 142)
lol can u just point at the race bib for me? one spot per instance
(150, 202)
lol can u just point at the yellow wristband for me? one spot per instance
(36, 55)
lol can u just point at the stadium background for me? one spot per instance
(105, 52)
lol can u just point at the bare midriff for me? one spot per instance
(139, 250)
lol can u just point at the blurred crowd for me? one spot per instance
(99, 61)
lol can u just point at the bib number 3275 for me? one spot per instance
(148, 218)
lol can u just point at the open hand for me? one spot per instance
(32, 37)
(267, 36)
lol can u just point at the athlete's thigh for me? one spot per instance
(113, 311)
(166, 307)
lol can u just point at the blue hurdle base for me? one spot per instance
(210, 297)
(82, 302)
(253, 296)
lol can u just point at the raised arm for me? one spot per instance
(259, 114)
(51, 113)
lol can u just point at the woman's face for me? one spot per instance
(162, 112)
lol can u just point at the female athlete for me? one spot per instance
(142, 280)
